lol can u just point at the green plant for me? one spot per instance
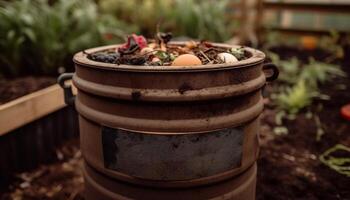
(316, 73)
(203, 19)
(294, 98)
(193, 18)
(332, 44)
(38, 37)
(300, 83)
(290, 69)
(336, 163)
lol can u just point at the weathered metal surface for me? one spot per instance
(163, 110)
(98, 186)
(172, 157)
(170, 117)
(92, 149)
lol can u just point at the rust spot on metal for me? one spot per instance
(196, 139)
(136, 95)
(175, 145)
(185, 87)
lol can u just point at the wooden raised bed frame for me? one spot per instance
(31, 129)
(31, 107)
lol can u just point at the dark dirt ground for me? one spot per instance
(62, 180)
(13, 88)
(288, 166)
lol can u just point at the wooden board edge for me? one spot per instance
(31, 107)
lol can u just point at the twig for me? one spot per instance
(205, 56)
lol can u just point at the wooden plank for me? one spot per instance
(304, 6)
(300, 31)
(26, 109)
(287, 19)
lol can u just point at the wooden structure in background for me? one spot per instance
(250, 14)
(290, 6)
(246, 13)
(31, 128)
(30, 107)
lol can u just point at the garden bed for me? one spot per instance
(289, 165)
(32, 126)
(11, 89)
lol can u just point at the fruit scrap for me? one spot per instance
(345, 112)
(134, 43)
(191, 44)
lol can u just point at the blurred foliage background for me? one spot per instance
(39, 36)
(192, 18)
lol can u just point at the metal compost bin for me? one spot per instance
(160, 132)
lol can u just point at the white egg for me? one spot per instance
(227, 58)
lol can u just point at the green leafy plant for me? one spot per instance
(294, 98)
(290, 69)
(39, 37)
(316, 73)
(300, 83)
(332, 44)
(203, 19)
(299, 86)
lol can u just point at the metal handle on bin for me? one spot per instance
(69, 98)
(270, 67)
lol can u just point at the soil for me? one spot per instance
(60, 180)
(11, 89)
(288, 166)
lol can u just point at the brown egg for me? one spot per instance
(186, 60)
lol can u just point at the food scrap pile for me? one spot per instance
(159, 52)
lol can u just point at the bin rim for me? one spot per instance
(255, 57)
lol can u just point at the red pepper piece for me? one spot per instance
(134, 42)
(140, 40)
(345, 112)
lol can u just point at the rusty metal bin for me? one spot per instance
(169, 127)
